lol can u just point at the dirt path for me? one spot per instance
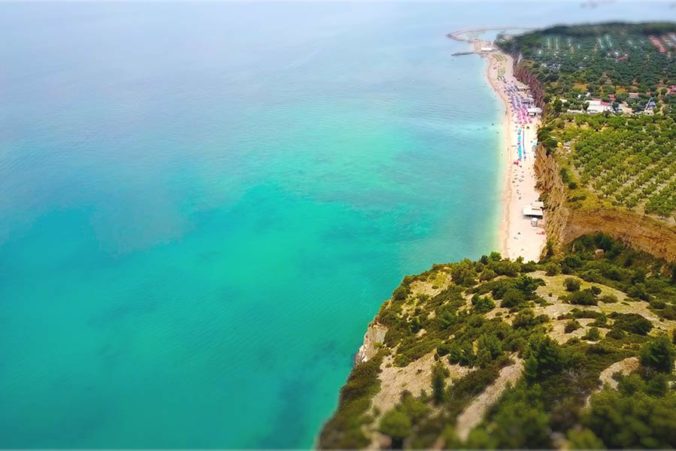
(624, 367)
(474, 413)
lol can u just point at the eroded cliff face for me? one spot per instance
(373, 338)
(523, 74)
(564, 224)
(640, 232)
(554, 195)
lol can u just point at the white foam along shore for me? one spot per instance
(519, 235)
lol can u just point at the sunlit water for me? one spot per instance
(203, 205)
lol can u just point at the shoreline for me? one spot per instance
(517, 237)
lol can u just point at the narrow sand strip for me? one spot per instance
(518, 237)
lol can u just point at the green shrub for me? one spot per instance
(529, 267)
(487, 274)
(658, 354)
(638, 291)
(636, 421)
(601, 321)
(489, 348)
(632, 322)
(552, 269)
(520, 421)
(344, 429)
(657, 304)
(414, 408)
(513, 298)
(593, 275)
(462, 354)
(584, 297)
(592, 334)
(571, 284)
(616, 333)
(505, 268)
(482, 304)
(544, 358)
(583, 439)
(527, 319)
(669, 312)
(400, 293)
(439, 374)
(397, 425)
(571, 325)
(463, 273)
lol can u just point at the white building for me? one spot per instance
(534, 210)
(598, 106)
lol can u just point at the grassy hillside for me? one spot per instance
(497, 353)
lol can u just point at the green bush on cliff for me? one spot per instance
(482, 304)
(543, 357)
(571, 284)
(635, 420)
(631, 322)
(439, 375)
(397, 425)
(584, 297)
(343, 430)
(520, 421)
(658, 354)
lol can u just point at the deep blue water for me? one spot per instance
(203, 205)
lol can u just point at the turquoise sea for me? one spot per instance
(202, 205)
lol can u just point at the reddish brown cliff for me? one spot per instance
(564, 223)
(524, 75)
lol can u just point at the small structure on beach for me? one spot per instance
(534, 111)
(534, 210)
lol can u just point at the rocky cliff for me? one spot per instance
(506, 354)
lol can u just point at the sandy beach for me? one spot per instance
(519, 237)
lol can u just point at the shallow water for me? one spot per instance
(203, 205)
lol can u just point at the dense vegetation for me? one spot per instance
(615, 62)
(624, 157)
(486, 315)
(621, 161)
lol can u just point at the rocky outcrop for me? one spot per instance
(373, 338)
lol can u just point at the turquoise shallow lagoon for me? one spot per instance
(203, 205)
